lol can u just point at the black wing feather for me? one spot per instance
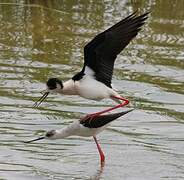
(101, 52)
(102, 120)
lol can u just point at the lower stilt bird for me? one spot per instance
(84, 127)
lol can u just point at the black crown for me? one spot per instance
(52, 83)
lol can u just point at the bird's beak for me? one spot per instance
(37, 139)
(40, 100)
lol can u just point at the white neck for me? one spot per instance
(69, 88)
(67, 131)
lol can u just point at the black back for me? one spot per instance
(79, 75)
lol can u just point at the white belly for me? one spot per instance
(89, 88)
(77, 129)
(87, 132)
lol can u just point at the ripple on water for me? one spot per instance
(43, 40)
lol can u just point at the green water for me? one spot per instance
(42, 39)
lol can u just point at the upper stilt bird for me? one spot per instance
(94, 80)
(84, 127)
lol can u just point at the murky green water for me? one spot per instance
(42, 39)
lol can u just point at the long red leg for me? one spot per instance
(102, 156)
(125, 102)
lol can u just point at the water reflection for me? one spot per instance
(99, 172)
(40, 39)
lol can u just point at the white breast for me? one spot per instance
(90, 88)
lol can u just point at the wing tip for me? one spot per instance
(123, 113)
(142, 16)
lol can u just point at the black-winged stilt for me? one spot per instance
(84, 127)
(94, 80)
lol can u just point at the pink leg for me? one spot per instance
(102, 156)
(125, 102)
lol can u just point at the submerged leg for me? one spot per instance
(102, 156)
(125, 102)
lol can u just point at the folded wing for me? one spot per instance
(99, 121)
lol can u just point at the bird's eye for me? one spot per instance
(50, 133)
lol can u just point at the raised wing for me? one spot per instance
(101, 52)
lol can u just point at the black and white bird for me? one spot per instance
(85, 127)
(94, 80)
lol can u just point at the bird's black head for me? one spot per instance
(50, 134)
(54, 83)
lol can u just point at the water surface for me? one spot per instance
(42, 39)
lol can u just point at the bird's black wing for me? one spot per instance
(101, 52)
(102, 120)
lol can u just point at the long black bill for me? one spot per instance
(37, 139)
(39, 101)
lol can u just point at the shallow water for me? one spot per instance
(42, 39)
